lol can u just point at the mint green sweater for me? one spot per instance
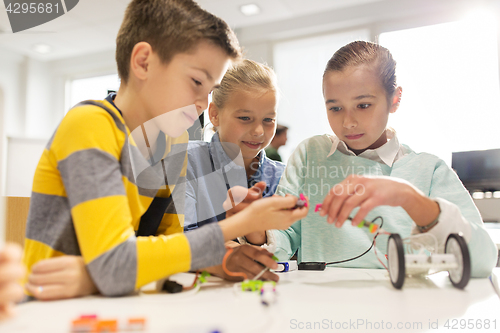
(311, 172)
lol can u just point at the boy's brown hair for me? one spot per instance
(170, 27)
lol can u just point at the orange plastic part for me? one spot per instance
(107, 326)
(84, 325)
(138, 320)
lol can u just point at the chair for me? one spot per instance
(16, 216)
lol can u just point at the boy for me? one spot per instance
(114, 169)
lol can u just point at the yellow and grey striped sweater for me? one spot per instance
(86, 201)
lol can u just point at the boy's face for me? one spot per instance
(357, 107)
(175, 94)
(248, 120)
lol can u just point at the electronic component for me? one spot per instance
(302, 202)
(171, 287)
(312, 266)
(286, 266)
(268, 294)
(266, 289)
(372, 227)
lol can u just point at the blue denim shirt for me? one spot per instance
(211, 172)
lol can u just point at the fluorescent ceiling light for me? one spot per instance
(478, 195)
(250, 9)
(42, 48)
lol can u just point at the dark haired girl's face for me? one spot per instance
(357, 107)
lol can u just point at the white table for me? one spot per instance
(351, 298)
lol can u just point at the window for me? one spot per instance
(91, 88)
(299, 66)
(450, 79)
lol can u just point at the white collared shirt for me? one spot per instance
(388, 153)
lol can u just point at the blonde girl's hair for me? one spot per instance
(362, 52)
(244, 76)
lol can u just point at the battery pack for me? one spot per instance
(312, 266)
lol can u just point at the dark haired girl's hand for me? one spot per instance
(370, 192)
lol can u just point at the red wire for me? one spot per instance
(375, 247)
(227, 271)
(194, 282)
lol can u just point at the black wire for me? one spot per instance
(150, 152)
(221, 167)
(362, 254)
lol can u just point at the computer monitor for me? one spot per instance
(479, 170)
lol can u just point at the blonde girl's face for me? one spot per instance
(357, 107)
(248, 120)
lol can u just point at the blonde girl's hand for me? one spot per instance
(239, 198)
(60, 278)
(365, 193)
(11, 271)
(245, 259)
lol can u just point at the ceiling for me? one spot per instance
(92, 25)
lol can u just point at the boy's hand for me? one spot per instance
(59, 278)
(243, 260)
(238, 197)
(370, 192)
(11, 271)
(276, 212)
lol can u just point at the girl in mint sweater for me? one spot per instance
(363, 172)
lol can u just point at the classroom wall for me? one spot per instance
(9, 101)
(37, 105)
(22, 158)
(12, 82)
(38, 99)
